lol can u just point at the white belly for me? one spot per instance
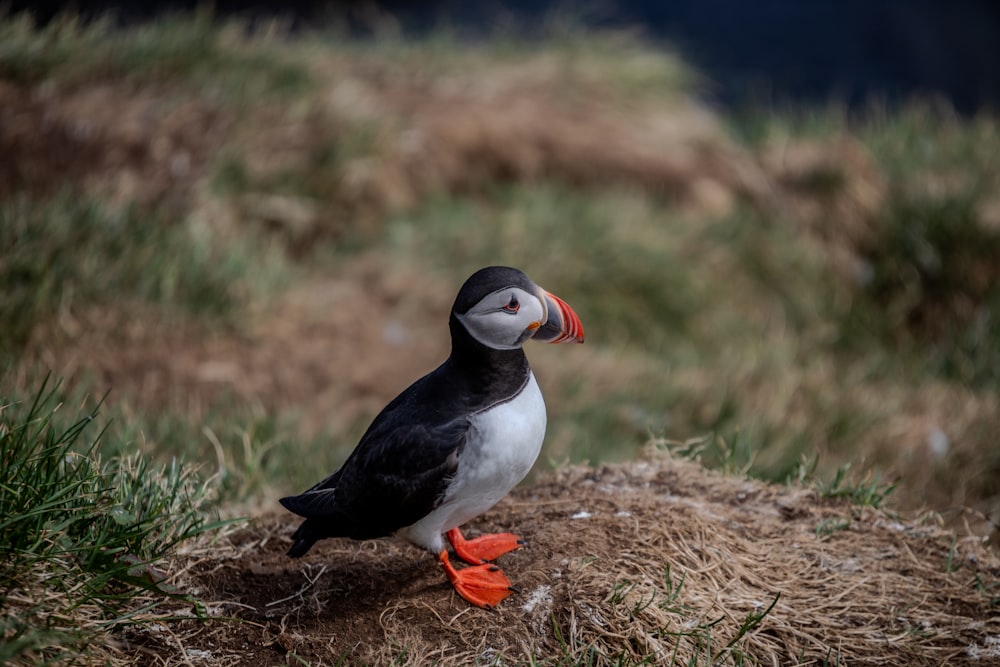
(503, 444)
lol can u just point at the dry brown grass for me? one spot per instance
(121, 144)
(656, 559)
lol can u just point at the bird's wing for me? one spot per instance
(396, 476)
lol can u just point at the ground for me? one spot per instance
(655, 559)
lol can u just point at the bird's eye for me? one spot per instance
(513, 305)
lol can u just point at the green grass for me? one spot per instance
(247, 449)
(929, 292)
(620, 270)
(82, 536)
(730, 301)
(184, 49)
(935, 283)
(728, 328)
(73, 252)
(868, 491)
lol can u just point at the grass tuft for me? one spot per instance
(82, 538)
(869, 491)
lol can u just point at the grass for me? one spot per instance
(682, 303)
(72, 252)
(933, 276)
(685, 632)
(246, 448)
(621, 268)
(926, 292)
(869, 491)
(188, 49)
(83, 538)
(736, 456)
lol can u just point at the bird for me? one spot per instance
(452, 444)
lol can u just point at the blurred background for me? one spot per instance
(778, 221)
(850, 51)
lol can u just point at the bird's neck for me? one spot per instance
(490, 370)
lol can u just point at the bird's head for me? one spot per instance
(502, 308)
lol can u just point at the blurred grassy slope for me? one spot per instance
(787, 286)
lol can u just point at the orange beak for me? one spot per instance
(561, 325)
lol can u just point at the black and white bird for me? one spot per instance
(455, 442)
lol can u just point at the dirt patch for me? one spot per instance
(655, 558)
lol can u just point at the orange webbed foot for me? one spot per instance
(484, 548)
(482, 585)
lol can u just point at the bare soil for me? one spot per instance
(656, 558)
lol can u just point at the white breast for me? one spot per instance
(503, 444)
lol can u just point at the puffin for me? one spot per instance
(454, 442)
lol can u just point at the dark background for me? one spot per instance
(759, 51)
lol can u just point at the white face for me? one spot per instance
(505, 319)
